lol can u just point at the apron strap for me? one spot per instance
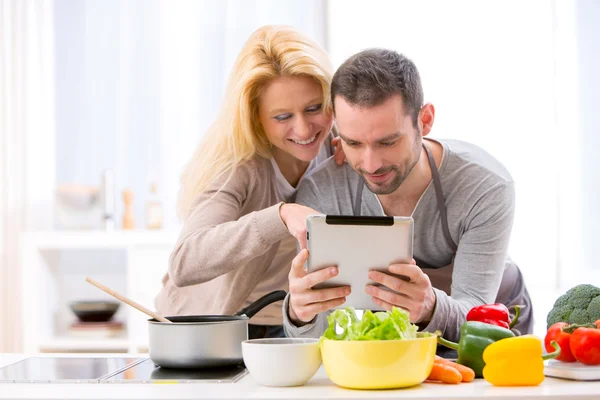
(439, 194)
(358, 200)
(437, 183)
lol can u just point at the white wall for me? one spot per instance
(582, 131)
(27, 143)
(107, 114)
(588, 35)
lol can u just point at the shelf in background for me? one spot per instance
(144, 255)
(91, 239)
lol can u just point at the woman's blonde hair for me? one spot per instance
(237, 134)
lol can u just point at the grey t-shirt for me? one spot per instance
(479, 196)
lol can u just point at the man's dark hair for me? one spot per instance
(369, 78)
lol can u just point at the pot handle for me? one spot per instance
(261, 303)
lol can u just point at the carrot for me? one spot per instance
(467, 373)
(444, 373)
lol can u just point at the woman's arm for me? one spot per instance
(216, 238)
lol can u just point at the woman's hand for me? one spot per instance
(305, 302)
(338, 153)
(294, 218)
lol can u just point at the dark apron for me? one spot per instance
(512, 289)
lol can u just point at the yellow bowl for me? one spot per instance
(378, 364)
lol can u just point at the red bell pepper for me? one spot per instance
(585, 342)
(495, 314)
(556, 333)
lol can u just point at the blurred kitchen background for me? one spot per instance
(103, 101)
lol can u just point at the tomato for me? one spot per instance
(585, 345)
(562, 338)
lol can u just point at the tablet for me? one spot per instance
(356, 245)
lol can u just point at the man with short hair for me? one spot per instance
(460, 197)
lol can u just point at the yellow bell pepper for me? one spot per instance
(516, 361)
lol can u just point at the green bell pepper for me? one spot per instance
(475, 336)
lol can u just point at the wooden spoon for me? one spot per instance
(126, 300)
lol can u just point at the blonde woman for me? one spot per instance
(240, 223)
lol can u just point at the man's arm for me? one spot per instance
(479, 260)
(313, 329)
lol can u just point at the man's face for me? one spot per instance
(381, 143)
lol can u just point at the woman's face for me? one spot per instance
(292, 116)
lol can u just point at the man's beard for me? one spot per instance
(399, 174)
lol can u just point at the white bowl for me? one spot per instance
(282, 361)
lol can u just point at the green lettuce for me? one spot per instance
(388, 325)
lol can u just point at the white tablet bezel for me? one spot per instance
(357, 245)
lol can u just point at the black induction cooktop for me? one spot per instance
(147, 371)
(111, 370)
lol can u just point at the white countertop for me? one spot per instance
(319, 387)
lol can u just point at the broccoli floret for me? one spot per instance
(581, 295)
(584, 290)
(581, 304)
(562, 301)
(594, 309)
(579, 316)
(559, 314)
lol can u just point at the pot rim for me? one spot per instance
(240, 319)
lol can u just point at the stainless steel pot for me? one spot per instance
(204, 341)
